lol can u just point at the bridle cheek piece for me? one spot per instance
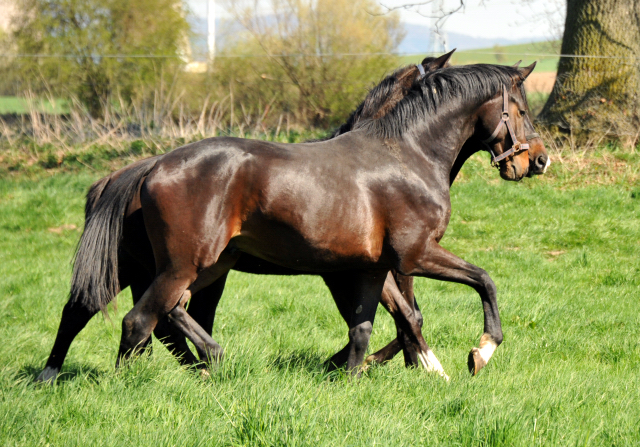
(517, 146)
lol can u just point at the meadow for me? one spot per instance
(562, 250)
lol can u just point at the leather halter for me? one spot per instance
(517, 146)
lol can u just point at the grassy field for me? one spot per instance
(20, 106)
(563, 252)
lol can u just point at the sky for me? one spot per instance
(508, 19)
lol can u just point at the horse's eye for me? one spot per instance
(522, 113)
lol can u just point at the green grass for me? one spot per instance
(565, 261)
(20, 106)
(529, 52)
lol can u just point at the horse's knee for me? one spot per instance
(134, 329)
(417, 314)
(487, 283)
(360, 334)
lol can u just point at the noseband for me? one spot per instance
(517, 146)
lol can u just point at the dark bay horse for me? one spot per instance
(246, 269)
(135, 258)
(356, 206)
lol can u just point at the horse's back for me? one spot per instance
(317, 205)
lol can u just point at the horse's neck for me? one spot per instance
(443, 142)
(468, 149)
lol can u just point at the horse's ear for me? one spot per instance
(431, 64)
(517, 64)
(526, 71)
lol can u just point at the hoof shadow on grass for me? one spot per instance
(305, 360)
(310, 362)
(68, 374)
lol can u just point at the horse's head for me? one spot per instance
(514, 146)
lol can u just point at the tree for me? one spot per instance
(600, 90)
(315, 58)
(93, 49)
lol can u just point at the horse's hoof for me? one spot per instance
(48, 375)
(368, 362)
(430, 362)
(475, 361)
(204, 374)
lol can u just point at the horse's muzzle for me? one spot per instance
(539, 165)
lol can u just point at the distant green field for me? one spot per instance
(20, 106)
(529, 52)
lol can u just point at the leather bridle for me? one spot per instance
(517, 146)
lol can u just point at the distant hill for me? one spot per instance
(417, 40)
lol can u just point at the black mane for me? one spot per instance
(376, 98)
(469, 83)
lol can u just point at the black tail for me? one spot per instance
(95, 269)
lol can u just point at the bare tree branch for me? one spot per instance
(439, 13)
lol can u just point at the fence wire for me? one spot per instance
(241, 56)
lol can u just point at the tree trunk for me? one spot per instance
(599, 93)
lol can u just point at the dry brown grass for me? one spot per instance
(128, 133)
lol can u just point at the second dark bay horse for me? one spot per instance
(356, 206)
(136, 264)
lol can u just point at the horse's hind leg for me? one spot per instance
(75, 317)
(208, 349)
(164, 331)
(168, 295)
(203, 305)
(164, 293)
(202, 308)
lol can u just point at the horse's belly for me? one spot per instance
(325, 248)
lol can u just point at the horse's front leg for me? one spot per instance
(417, 352)
(402, 342)
(357, 295)
(437, 263)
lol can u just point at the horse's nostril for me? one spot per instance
(541, 161)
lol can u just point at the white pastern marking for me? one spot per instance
(547, 165)
(431, 363)
(487, 347)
